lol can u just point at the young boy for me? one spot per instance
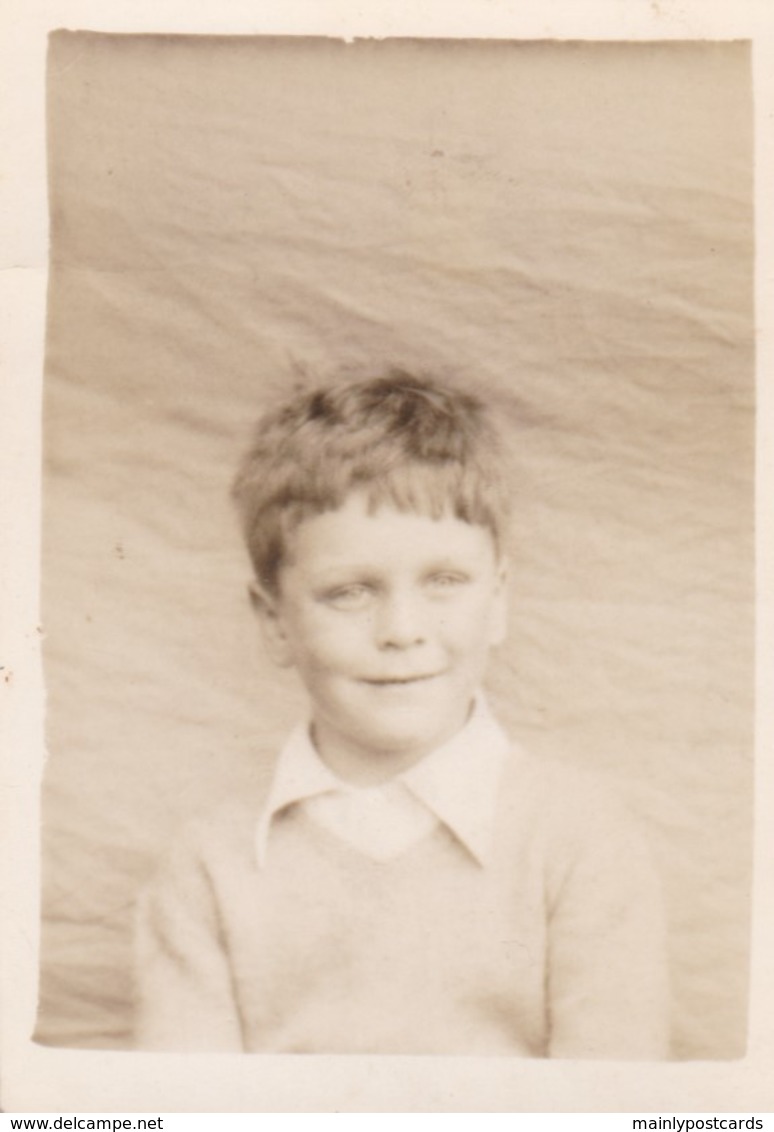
(412, 882)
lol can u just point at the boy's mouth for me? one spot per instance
(396, 681)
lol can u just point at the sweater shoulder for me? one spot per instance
(563, 804)
(221, 836)
(235, 813)
(554, 781)
(575, 829)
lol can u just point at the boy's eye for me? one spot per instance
(446, 580)
(354, 597)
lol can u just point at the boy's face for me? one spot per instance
(388, 618)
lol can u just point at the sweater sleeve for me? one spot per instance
(607, 966)
(184, 995)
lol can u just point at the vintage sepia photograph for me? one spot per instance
(398, 547)
(385, 466)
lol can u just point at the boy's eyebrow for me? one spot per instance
(334, 572)
(355, 577)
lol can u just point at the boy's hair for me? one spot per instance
(406, 441)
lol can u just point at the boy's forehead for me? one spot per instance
(360, 529)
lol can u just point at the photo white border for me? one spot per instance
(48, 1080)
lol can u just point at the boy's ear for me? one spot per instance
(499, 615)
(266, 608)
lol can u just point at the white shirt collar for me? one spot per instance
(458, 782)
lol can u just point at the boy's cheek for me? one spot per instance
(331, 654)
(498, 618)
(498, 629)
(334, 636)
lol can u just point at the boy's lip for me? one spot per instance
(389, 681)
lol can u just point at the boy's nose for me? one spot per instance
(400, 622)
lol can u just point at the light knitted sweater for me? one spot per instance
(553, 948)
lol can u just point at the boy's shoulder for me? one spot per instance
(553, 779)
(235, 814)
(221, 834)
(564, 806)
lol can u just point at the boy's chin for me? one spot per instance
(411, 742)
(368, 755)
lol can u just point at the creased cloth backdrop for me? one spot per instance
(569, 225)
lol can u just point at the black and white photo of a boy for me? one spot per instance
(412, 882)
